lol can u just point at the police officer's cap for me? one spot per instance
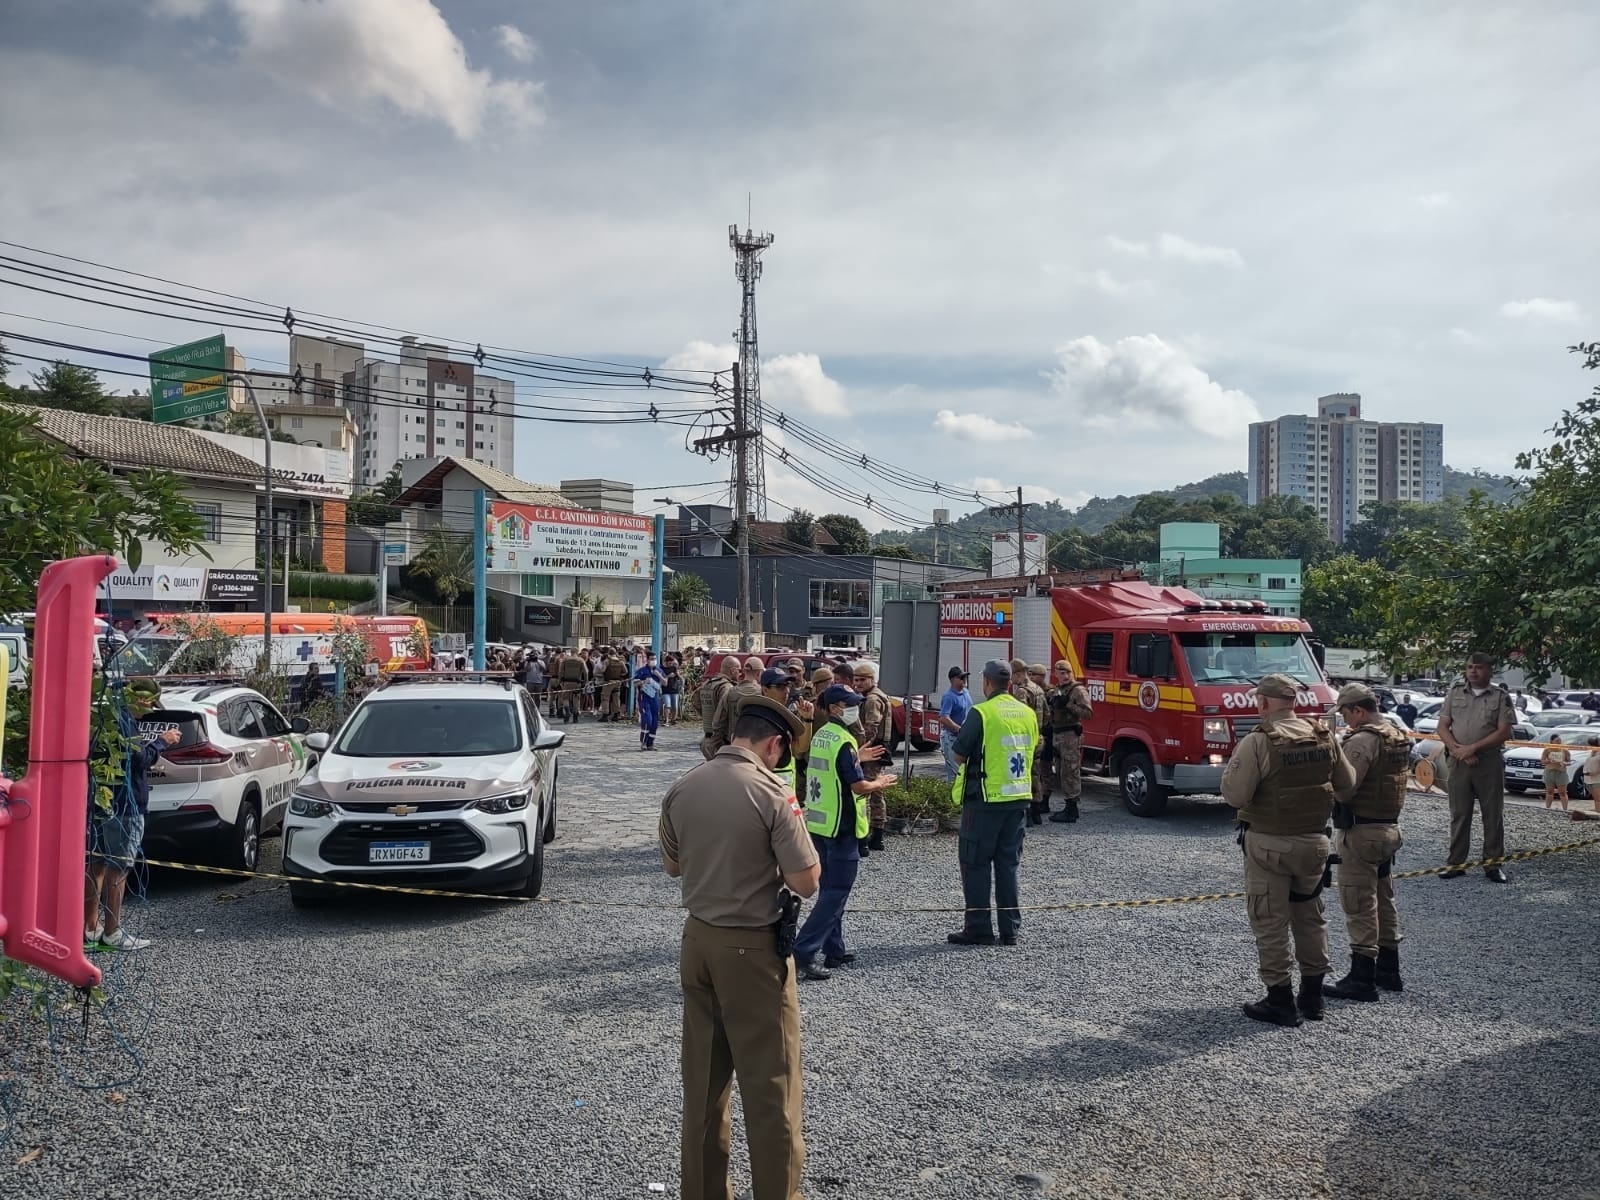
(1019, 666)
(839, 694)
(1278, 687)
(780, 718)
(772, 677)
(1063, 665)
(822, 675)
(1036, 669)
(1357, 694)
(997, 671)
(754, 664)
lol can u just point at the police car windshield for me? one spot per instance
(435, 728)
(1246, 657)
(144, 656)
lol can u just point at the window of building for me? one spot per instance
(841, 598)
(1277, 583)
(1097, 652)
(295, 423)
(478, 427)
(422, 437)
(461, 443)
(210, 521)
(538, 585)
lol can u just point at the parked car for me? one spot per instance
(447, 783)
(227, 782)
(1555, 718)
(1525, 772)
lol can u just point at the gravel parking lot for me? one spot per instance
(402, 1047)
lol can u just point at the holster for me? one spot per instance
(1344, 817)
(1242, 828)
(787, 926)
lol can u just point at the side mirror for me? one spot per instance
(549, 739)
(317, 741)
(300, 725)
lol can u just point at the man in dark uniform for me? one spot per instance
(995, 787)
(730, 831)
(1474, 725)
(1282, 778)
(1368, 820)
(1069, 707)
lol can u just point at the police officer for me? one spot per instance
(1044, 759)
(711, 693)
(877, 720)
(572, 672)
(836, 816)
(1069, 707)
(1474, 724)
(777, 685)
(1282, 778)
(728, 708)
(995, 751)
(729, 830)
(1368, 820)
(614, 676)
(1024, 689)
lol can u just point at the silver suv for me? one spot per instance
(436, 780)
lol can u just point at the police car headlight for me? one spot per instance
(502, 804)
(305, 806)
(1215, 729)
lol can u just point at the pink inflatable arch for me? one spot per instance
(42, 823)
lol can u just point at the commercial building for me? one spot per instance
(1340, 463)
(1191, 557)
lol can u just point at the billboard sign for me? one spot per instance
(976, 618)
(187, 381)
(235, 587)
(536, 538)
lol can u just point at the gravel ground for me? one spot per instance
(402, 1047)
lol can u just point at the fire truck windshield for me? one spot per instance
(1246, 657)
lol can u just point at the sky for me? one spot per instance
(1074, 247)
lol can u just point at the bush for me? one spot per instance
(350, 589)
(921, 796)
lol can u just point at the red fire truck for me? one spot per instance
(1172, 674)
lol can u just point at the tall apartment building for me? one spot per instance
(428, 405)
(1339, 463)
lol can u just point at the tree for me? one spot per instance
(850, 534)
(446, 560)
(683, 591)
(895, 550)
(74, 388)
(5, 366)
(376, 508)
(1381, 522)
(1349, 602)
(800, 529)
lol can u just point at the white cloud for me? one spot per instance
(789, 382)
(1465, 337)
(1141, 382)
(1433, 199)
(181, 9)
(1560, 312)
(1104, 281)
(1031, 493)
(977, 427)
(355, 52)
(516, 43)
(1131, 249)
(1173, 246)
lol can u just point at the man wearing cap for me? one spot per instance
(1282, 779)
(729, 830)
(877, 719)
(711, 693)
(836, 816)
(1070, 707)
(954, 706)
(777, 685)
(614, 675)
(1474, 725)
(1367, 817)
(728, 709)
(994, 753)
(1039, 677)
(570, 675)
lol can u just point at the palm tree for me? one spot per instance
(683, 591)
(446, 559)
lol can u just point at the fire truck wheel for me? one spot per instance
(1141, 794)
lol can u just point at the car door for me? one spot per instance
(542, 762)
(283, 760)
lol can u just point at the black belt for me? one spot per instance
(1377, 820)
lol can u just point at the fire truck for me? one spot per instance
(1172, 674)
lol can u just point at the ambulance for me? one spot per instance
(1172, 674)
(185, 643)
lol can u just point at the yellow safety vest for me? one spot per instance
(1010, 736)
(786, 773)
(825, 791)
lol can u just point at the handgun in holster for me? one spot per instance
(787, 927)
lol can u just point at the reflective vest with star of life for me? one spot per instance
(825, 791)
(1010, 733)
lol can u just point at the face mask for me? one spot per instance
(851, 715)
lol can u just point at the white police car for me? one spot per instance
(444, 781)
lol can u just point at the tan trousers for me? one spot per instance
(1367, 897)
(1486, 784)
(611, 698)
(741, 1016)
(710, 743)
(1069, 763)
(1274, 866)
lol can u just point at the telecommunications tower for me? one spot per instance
(749, 458)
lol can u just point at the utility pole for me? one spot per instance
(739, 436)
(1021, 510)
(747, 248)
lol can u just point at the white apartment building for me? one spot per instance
(1339, 463)
(428, 405)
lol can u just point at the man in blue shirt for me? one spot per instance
(953, 709)
(648, 682)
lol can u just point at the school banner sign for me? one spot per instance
(538, 539)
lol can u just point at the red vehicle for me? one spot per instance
(1172, 676)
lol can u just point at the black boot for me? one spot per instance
(1310, 998)
(1068, 813)
(1276, 1007)
(875, 842)
(865, 846)
(1386, 973)
(1033, 815)
(1358, 984)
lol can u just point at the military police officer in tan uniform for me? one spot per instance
(1069, 706)
(877, 720)
(1474, 724)
(710, 700)
(728, 707)
(1282, 778)
(1024, 689)
(733, 833)
(1367, 817)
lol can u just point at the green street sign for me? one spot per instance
(187, 381)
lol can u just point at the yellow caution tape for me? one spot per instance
(1072, 906)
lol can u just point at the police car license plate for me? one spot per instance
(397, 852)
